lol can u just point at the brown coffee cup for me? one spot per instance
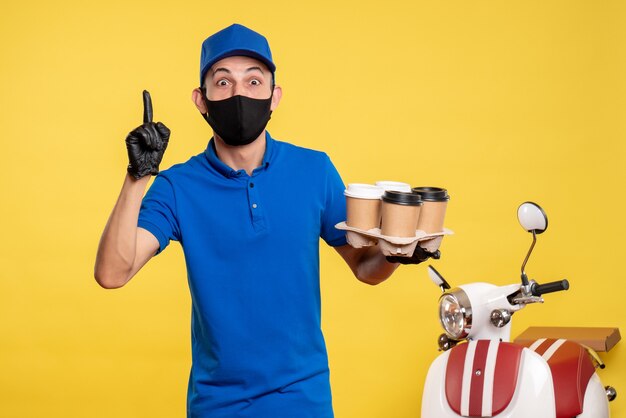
(363, 206)
(433, 210)
(400, 212)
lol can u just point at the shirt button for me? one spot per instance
(254, 206)
(251, 184)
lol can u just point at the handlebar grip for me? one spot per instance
(540, 289)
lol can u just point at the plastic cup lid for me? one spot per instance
(402, 198)
(363, 191)
(395, 186)
(432, 194)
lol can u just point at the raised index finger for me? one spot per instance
(147, 107)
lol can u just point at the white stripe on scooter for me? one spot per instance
(536, 344)
(550, 351)
(467, 377)
(490, 371)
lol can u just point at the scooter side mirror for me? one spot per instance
(532, 217)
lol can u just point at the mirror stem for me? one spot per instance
(524, 277)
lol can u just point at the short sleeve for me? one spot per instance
(158, 212)
(334, 208)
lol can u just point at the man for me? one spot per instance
(248, 212)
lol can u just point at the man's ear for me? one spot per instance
(197, 98)
(278, 93)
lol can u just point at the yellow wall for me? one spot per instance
(498, 101)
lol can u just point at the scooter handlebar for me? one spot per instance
(540, 289)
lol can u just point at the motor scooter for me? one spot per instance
(482, 374)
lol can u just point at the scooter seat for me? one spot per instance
(571, 370)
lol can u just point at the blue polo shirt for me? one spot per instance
(251, 246)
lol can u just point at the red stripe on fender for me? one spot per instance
(505, 375)
(454, 377)
(478, 379)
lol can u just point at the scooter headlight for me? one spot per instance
(455, 313)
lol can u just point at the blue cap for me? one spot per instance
(234, 40)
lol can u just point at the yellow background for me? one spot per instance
(498, 101)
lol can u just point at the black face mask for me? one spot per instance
(238, 120)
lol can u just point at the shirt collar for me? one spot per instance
(227, 171)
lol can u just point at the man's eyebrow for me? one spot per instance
(226, 70)
(255, 68)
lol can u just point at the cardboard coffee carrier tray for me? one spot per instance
(392, 246)
(600, 339)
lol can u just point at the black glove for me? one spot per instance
(418, 256)
(146, 143)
